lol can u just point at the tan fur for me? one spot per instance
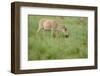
(52, 25)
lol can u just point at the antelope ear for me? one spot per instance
(65, 26)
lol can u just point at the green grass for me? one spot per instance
(42, 46)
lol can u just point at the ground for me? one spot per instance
(42, 46)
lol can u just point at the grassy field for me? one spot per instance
(42, 46)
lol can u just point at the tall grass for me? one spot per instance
(42, 46)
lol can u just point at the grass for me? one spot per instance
(42, 46)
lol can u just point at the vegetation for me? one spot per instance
(42, 46)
